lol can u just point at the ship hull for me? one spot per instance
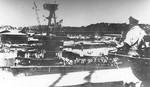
(36, 62)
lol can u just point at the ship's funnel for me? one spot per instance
(50, 7)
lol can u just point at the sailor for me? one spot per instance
(133, 39)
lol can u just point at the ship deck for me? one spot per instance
(94, 78)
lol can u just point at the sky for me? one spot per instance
(74, 12)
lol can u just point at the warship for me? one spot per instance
(42, 49)
(52, 50)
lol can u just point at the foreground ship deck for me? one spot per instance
(96, 78)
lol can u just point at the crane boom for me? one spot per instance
(37, 15)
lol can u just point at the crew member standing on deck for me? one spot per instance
(133, 40)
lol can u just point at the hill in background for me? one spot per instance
(99, 28)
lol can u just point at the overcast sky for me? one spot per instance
(75, 12)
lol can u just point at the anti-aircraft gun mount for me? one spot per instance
(140, 65)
